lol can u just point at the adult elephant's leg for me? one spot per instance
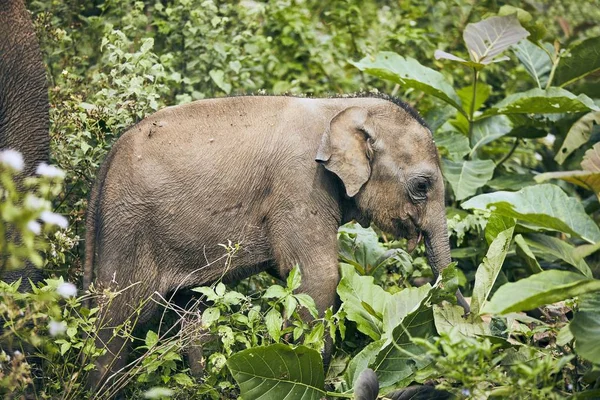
(314, 250)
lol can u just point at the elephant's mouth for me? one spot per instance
(404, 228)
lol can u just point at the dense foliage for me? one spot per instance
(512, 97)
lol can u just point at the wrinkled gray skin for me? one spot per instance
(278, 175)
(24, 121)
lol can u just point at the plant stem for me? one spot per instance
(342, 395)
(510, 153)
(473, 99)
(555, 60)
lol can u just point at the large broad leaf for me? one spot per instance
(578, 135)
(489, 129)
(452, 144)
(450, 318)
(583, 59)
(398, 362)
(362, 360)
(363, 301)
(586, 327)
(488, 270)
(482, 93)
(526, 254)
(538, 101)
(588, 177)
(540, 289)
(495, 225)
(278, 372)
(408, 72)
(466, 177)
(545, 206)
(536, 61)
(359, 246)
(400, 305)
(553, 248)
(490, 37)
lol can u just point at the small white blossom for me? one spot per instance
(67, 289)
(49, 171)
(54, 219)
(56, 328)
(34, 227)
(12, 159)
(34, 202)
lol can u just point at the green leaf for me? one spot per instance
(275, 292)
(512, 181)
(535, 60)
(483, 92)
(585, 327)
(210, 315)
(307, 302)
(449, 318)
(582, 60)
(409, 73)
(443, 55)
(588, 178)
(466, 177)
(524, 252)
(359, 246)
(273, 321)
(552, 248)
(545, 206)
(294, 278)
(540, 289)
(489, 129)
(277, 372)
(362, 360)
(488, 270)
(218, 76)
(151, 339)
(355, 291)
(537, 101)
(578, 135)
(398, 362)
(489, 38)
(454, 145)
(495, 225)
(400, 304)
(158, 393)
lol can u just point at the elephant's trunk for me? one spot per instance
(437, 245)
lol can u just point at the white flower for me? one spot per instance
(12, 159)
(67, 289)
(49, 171)
(33, 202)
(54, 219)
(56, 328)
(34, 227)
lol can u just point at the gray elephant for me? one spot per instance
(278, 175)
(24, 120)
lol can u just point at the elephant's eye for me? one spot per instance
(418, 188)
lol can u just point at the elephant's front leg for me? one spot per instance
(315, 252)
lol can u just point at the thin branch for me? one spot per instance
(510, 153)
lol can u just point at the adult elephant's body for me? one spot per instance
(24, 120)
(192, 177)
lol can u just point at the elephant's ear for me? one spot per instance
(346, 149)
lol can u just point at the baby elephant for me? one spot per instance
(278, 175)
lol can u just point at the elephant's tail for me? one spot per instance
(93, 221)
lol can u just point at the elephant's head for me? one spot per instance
(386, 158)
